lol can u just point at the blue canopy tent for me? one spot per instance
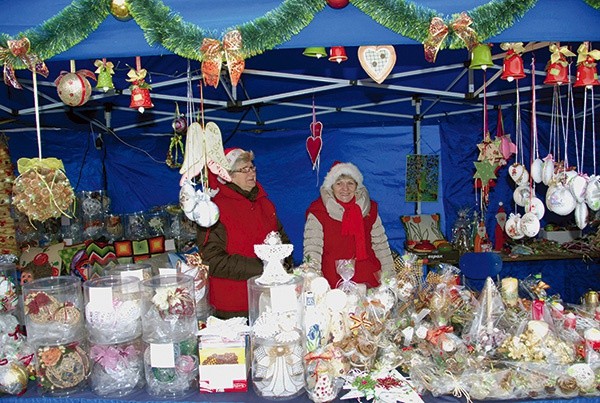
(436, 107)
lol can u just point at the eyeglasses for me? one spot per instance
(245, 170)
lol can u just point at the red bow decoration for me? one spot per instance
(19, 48)
(438, 31)
(212, 58)
(435, 336)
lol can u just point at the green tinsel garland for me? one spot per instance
(412, 21)
(63, 31)
(593, 3)
(161, 26)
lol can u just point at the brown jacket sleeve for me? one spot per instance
(212, 244)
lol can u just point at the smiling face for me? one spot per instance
(243, 172)
(344, 188)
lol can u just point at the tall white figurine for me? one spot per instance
(272, 252)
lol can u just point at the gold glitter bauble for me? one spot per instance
(120, 10)
(13, 378)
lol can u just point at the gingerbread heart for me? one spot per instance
(377, 61)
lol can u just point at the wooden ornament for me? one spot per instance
(377, 61)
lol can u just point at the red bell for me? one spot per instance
(337, 54)
(140, 99)
(587, 75)
(512, 67)
(557, 73)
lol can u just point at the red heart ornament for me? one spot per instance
(316, 128)
(313, 146)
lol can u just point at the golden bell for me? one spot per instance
(119, 10)
(315, 51)
(481, 57)
(105, 81)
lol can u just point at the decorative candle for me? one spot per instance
(510, 290)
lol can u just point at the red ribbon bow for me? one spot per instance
(434, 336)
(19, 48)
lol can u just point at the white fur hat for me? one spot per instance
(342, 168)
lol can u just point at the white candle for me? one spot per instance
(538, 327)
(510, 290)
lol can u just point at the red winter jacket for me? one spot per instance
(337, 246)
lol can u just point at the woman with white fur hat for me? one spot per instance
(344, 223)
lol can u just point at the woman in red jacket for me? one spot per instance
(344, 224)
(246, 216)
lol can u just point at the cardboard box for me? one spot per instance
(560, 236)
(222, 365)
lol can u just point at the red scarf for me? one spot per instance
(352, 224)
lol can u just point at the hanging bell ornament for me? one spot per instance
(105, 71)
(140, 89)
(120, 10)
(481, 57)
(587, 74)
(512, 66)
(557, 70)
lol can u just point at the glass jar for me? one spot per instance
(275, 312)
(157, 223)
(113, 224)
(53, 308)
(172, 368)
(135, 226)
(113, 309)
(117, 369)
(168, 308)
(142, 271)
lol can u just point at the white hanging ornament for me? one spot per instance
(519, 174)
(530, 224)
(548, 169)
(187, 198)
(560, 200)
(592, 193)
(535, 206)
(577, 186)
(513, 226)
(536, 170)
(581, 215)
(521, 194)
(206, 212)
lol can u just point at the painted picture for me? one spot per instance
(422, 176)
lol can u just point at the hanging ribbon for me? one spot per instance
(586, 56)
(175, 146)
(20, 48)
(559, 54)
(213, 52)
(104, 66)
(438, 31)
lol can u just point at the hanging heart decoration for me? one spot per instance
(377, 61)
(314, 143)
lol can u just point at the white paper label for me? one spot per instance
(101, 299)
(162, 355)
(133, 273)
(167, 270)
(283, 298)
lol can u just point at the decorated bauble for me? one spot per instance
(535, 206)
(560, 200)
(180, 124)
(120, 10)
(577, 186)
(513, 226)
(187, 198)
(73, 88)
(518, 174)
(530, 224)
(592, 193)
(13, 378)
(521, 194)
(548, 169)
(581, 215)
(584, 375)
(338, 3)
(206, 212)
(536, 170)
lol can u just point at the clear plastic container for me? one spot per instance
(168, 308)
(113, 225)
(117, 369)
(113, 306)
(62, 368)
(142, 271)
(157, 223)
(135, 226)
(9, 289)
(278, 345)
(53, 308)
(172, 368)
